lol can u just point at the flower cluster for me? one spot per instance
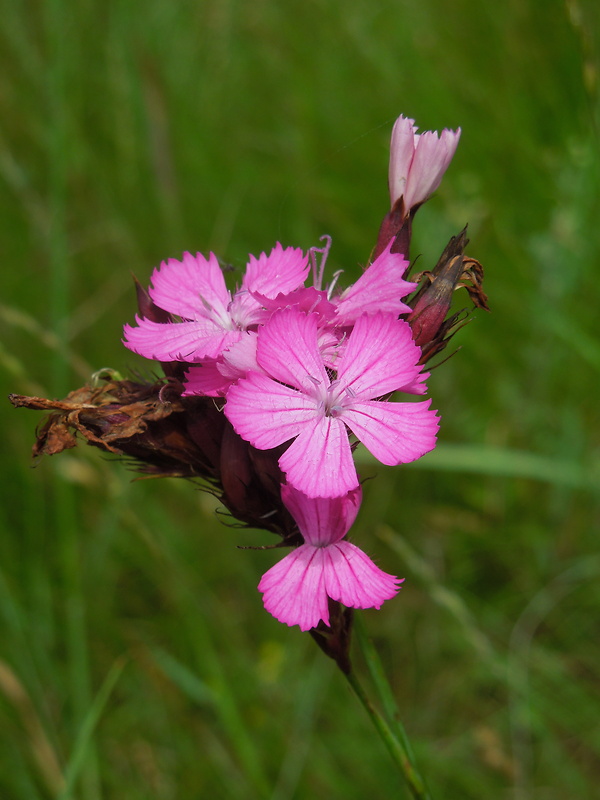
(271, 388)
(309, 372)
(312, 370)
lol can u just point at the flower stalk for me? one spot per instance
(396, 747)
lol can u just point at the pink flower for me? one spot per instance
(298, 399)
(211, 319)
(296, 589)
(379, 288)
(418, 161)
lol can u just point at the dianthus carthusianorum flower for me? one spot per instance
(211, 319)
(296, 589)
(297, 397)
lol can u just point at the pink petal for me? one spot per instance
(309, 300)
(266, 413)
(240, 358)
(378, 289)
(288, 351)
(177, 341)
(321, 520)
(186, 287)
(332, 342)
(431, 160)
(353, 579)
(206, 379)
(319, 462)
(395, 433)
(293, 590)
(280, 272)
(380, 357)
(245, 310)
(215, 377)
(416, 386)
(402, 149)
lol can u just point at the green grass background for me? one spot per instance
(136, 660)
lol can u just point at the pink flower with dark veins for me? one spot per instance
(297, 398)
(211, 319)
(296, 589)
(418, 161)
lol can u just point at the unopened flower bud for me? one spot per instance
(418, 162)
(431, 326)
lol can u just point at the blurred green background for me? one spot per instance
(136, 660)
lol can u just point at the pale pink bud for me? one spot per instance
(418, 162)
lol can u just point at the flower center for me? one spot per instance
(335, 399)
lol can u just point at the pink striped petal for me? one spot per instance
(293, 590)
(378, 289)
(288, 350)
(319, 462)
(321, 520)
(402, 149)
(206, 379)
(177, 341)
(186, 287)
(395, 433)
(245, 310)
(431, 160)
(380, 357)
(266, 413)
(280, 272)
(353, 579)
(240, 358)
(309, 300)
(417, 386)
(215, 377)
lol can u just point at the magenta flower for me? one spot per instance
(379, 288)
(418, 161)
(211, 319)
(298, 399)
(296, 589)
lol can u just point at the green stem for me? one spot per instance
(393, 736)
(381, 683)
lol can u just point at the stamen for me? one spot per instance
(336, 275)
(319, 270)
